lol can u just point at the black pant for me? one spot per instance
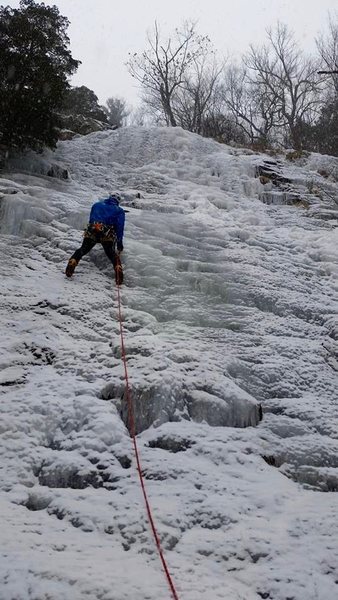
(88, 244)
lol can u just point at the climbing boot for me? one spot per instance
(71, 267)
(118, 272)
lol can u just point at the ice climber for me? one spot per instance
(106, 226)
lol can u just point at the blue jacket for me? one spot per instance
(109, 212)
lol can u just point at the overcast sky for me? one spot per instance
(102, 32)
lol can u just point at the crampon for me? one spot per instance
(70, 268)
(118, 271)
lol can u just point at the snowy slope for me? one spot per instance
(229, 304)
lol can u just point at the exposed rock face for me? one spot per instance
(279, 189)
(57, 171)
(67, 134)
(269, 171)
(78, 124)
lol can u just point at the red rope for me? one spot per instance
(138, 462)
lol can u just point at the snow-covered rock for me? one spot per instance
(79, 124)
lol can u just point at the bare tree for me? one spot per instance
(288, 80)
(252, 109)
(328, 50)
(196, 98)
(141, 116)
(117, 111)
(161, 68)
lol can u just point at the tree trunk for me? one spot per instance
(165, 99)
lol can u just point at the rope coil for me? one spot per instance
(132, 430)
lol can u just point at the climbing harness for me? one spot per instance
(132, 430)
(99, 232)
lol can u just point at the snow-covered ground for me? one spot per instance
(229, 307)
